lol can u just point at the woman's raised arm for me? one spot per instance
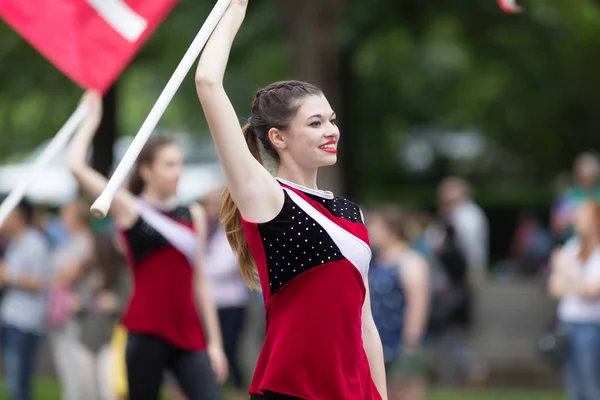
(92, 182)
(256, 194)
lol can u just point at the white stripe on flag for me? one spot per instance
(120, 17)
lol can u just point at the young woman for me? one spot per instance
(309, 248)
(98, 300)
(400, 290)
(575, 281)
(163, 244)
(68, 259)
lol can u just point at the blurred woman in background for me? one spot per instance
(67, 263)
(98, 301)
(399, 281)
(575, 281)
(171, 319)
(229, 290)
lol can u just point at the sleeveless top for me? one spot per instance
(161, 250)
(387, 306)
(312, 261)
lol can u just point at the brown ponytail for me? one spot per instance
(136, 183)
(230, 218)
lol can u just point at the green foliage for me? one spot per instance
(528, 82)
(36, 99)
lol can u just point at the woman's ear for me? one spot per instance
(277, 137)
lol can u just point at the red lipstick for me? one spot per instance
(331, 149)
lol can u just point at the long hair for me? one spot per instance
(107, 260)
(396, 219)
(588, 244)
(146, 158)
(273, 107)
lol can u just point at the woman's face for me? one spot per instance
(162, 176)
(379, 233)
(586, 172)
(585, 221)
(312, 136)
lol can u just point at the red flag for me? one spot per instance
(509, 6)
(90, 41)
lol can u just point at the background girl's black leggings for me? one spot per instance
(273, 396)
(232, 324)
(148, 357)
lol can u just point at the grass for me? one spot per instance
(496, 394)
(47, 389)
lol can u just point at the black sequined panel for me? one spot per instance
(340, 207)
(295, 243)
(144, 239)
(180, 213)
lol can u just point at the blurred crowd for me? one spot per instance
(77, 286)
(67, 282)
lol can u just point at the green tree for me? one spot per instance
(528, 82)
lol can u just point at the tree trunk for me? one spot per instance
(104, 140)
(350, 145)
(311, 28)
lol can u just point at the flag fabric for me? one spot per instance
(90, 41)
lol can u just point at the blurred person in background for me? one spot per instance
(171, 318)
(99, 298)
(452, 310)
(228, 288)
(68, 258)
(50, 224)
(531, 246)
(575, 281)
(463, 229)
(419, 228)
(586, 185)
(24, 275)
(229, 291)
(399, 282)
(420, 222)
(469, 223)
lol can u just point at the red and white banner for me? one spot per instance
(90, 41)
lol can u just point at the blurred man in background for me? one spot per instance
(23, 274)
(470, 224)
(464, 226)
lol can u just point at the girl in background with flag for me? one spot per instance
(171, 325)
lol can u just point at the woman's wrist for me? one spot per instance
(411, 341)
(214, 345)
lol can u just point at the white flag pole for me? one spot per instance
(57, 144)
(102, 204)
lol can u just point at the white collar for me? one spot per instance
(321, 193)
